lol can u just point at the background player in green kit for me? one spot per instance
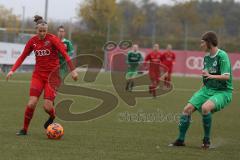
(1, 70)
(215, 94)
(134, 58)
(69, 48)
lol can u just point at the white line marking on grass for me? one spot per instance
(15, 81)
(101, 85)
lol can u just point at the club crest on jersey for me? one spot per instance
(215, 64)
(46, 43)
(41, 53)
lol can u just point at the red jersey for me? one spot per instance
(46, 53)
(168, 58)
(154, 58)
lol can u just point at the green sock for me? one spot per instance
(183, 126)
(207, 123)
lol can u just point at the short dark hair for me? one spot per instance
(60, 27)
(210, 38)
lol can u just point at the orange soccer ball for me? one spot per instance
(55, 131)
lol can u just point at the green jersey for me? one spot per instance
(70, 50)
(218, 64)
(134, 58)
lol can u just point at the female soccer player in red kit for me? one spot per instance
(46, 48)
(168, 59)
(154, 59)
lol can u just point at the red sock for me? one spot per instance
(154, 93)
(51, 112)
(165, 81)
(27, 117)
(150, 89)
(154, 88)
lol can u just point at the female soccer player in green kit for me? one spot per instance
(1, 71)
(69, 48)
(134, 58)
(216, 92)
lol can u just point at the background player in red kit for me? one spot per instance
(46, 48)
(168, 59)
(154, 59)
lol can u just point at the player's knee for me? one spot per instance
(47, 105)
(188, 110)
(32, 103)
(206, 109)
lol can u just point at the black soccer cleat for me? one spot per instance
(206, 143)
(22, 132)
(177, 143)
(48, 122)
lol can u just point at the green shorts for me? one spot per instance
(131, 74)
(220, 98)
(63, 71)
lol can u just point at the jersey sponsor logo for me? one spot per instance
(41, 53)
(212, 70)
(134, 58)
(155, 58)
(195, 63)
(169, 58)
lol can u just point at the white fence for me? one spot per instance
(9, 52)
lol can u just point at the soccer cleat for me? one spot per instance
(206, 143)
(48, 122)
(177, 143)
(22, 132)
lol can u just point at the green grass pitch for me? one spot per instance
(111, 137)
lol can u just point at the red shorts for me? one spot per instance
(40, 83)
(154, 75)
(169, 68)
